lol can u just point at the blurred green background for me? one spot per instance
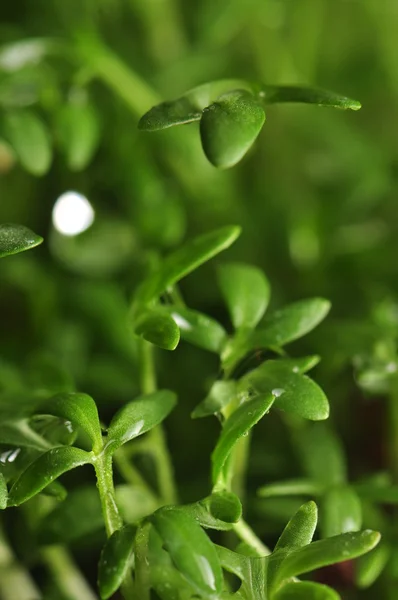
(316, 198)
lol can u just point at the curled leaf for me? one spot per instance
(158, 328)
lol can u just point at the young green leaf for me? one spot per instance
(341, 511)
(291, 322)
(220, 395)
(294, 393)
(306, 590)
(81, 410)
(168, 114)
(29, 137)
(272, 94)
(17, 238)
(236, 426)
(229, 127)
(44, 470)
(78, 133)
(115, 561)
(326, 552)
(190, 549)
(185, 260)
(138, 417)
(302, 364)
(370, 566)
(198, 329)
(159, 328)
(218, 511)
(321, 454)
(3, 492)
(290, 487)
(246, 291)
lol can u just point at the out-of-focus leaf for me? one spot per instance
(190, 549)
(326, 552)
(44, 470)
(246, 291)
(78, 133)
(306, 590)
(135, 502)
(290, 487)
(80, 409)
(115, 561)
(17, 238)
(271, 94)
(138, 417)
(291, 322)
(198, 329)
(19, 433)
(236, 426)
(61, 525)
(56, 490)
(3, 492)
(186, 259)
(229, 127)
(370, 566)
(220, 395)
(321, 454)
(159, 328)
(29, 137)
(341, 511)
(384, 493)
(294, 393)
(19, 54)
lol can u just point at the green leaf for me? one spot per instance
(19, 433)
(272, 94)
(29, 137)
(198, 329)
(167, 114)
(250, 570)
(78, 133)
(81, 410)
(319, 446)
(302, 364)
(169, 584)
(185, 260)
(135, 502)
(220, 395)
(138, 417)
(229, 127)
(341, 511)
(44, 470)
(376, 491)
(306, 590)
(290, 487)
(326, 552)
(294, 393)
(190, 549)
(3, 492)
(60, 526)
(291, 322)
(17, 238)
(236, 426)
(115, 561)
(370, 566)
(246, 291)
(218, 511)
(159, 328)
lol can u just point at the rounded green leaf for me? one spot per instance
(138, 417)
(290, 487)
(220, 395)
(198, 329)
(291, 322)
(17, 238)
(44, 470)
(29, 137)
(3, 492)
(167, 114)
(78, 133)
(191, 551)
(371, 565)
(272, 94)
(327, 552)
(225, 506)
(81, 410)
(229, 127)
(159, 328)
(246, 291)
(236, 426)
(186, 259)
(115, 561)
(341, 511)
(306, 590)
(294, 393)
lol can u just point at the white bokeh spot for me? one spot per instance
(72, 214)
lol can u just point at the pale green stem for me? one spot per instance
(142, 572)
(103, 470)
(66, 574)
(15, 581)
(247, 535)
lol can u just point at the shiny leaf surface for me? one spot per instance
(16, 238)
(198, 329)
(115, 561)
(306, 590)
(341, 511)
(220, 395)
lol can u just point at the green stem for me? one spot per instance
(247, 535)
(142, 573)
(106, 489)
(66, 574)
(15, 581)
